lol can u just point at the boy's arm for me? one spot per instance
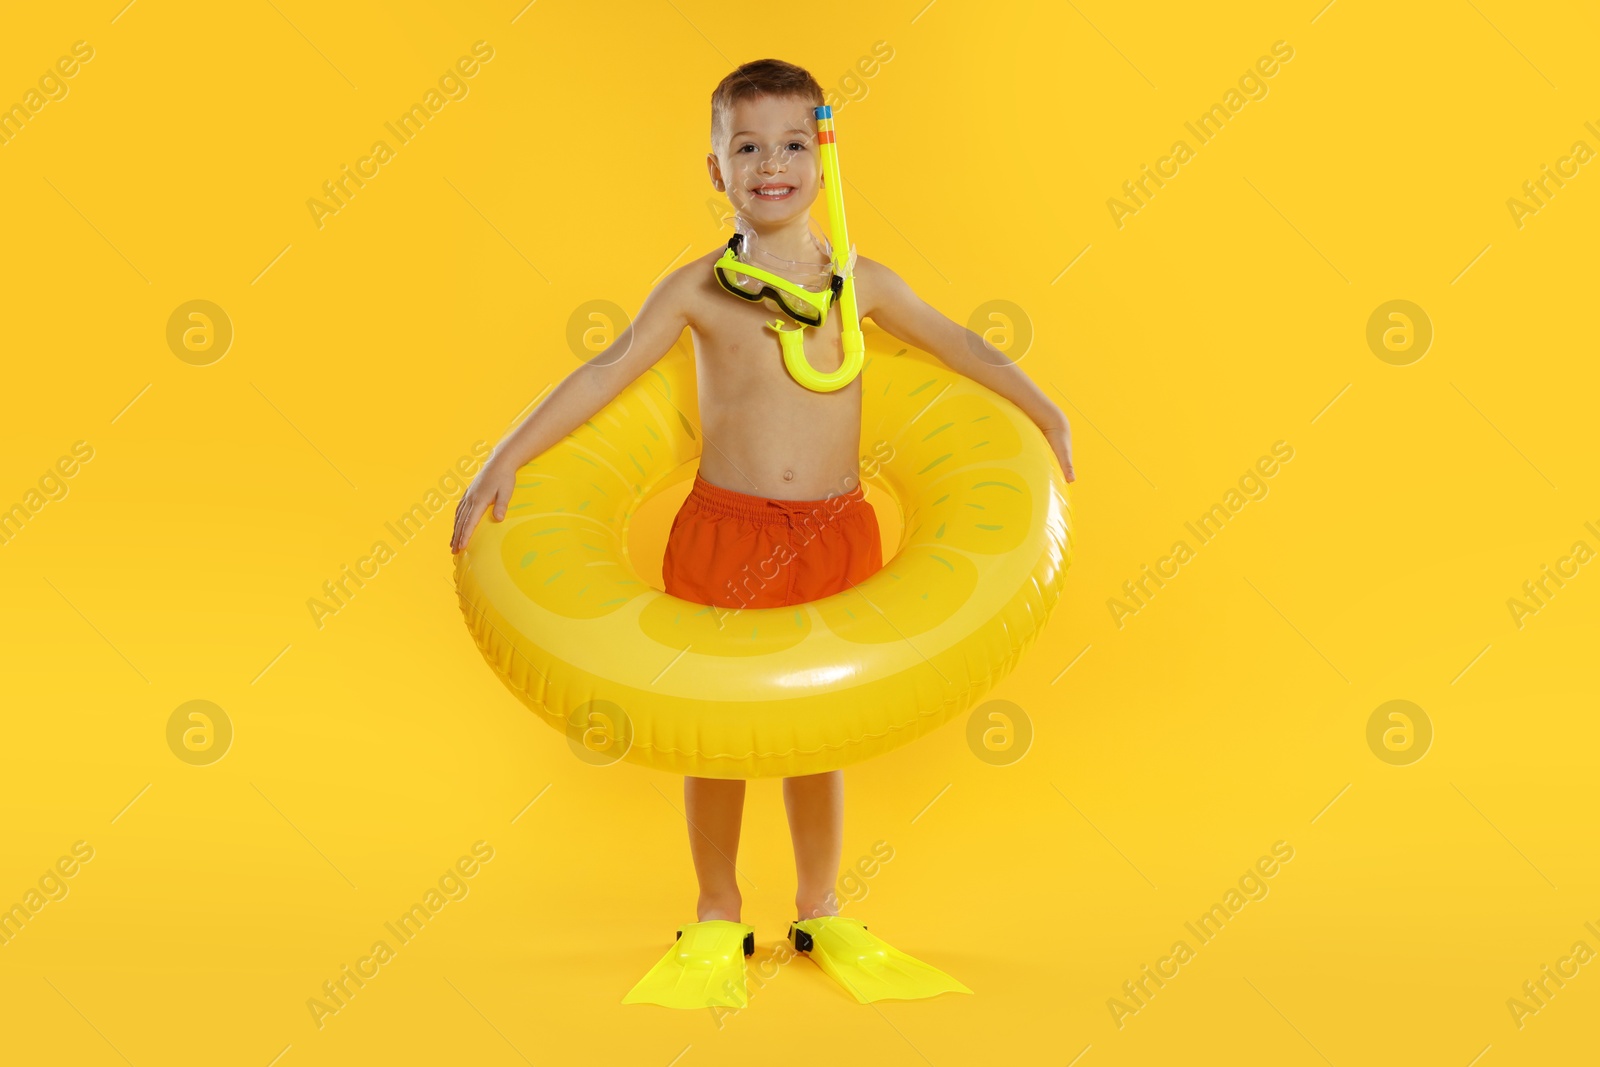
(661, 320)
(913, 320)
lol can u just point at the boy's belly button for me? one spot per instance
(788, 476)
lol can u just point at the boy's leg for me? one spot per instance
(816, 823)
(834, 562)
(715, 807)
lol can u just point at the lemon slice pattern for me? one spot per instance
(562, 617)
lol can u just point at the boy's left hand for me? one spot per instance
(1060, 438)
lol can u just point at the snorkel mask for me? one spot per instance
(806, 306)
(742, 278)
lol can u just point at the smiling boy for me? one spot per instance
(779, 470)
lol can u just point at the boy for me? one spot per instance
(778, 478)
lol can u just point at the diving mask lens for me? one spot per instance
(800, 304)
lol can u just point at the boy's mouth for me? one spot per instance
(773, 192)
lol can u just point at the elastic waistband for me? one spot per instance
(760, 509)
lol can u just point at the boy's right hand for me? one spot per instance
(492, 486)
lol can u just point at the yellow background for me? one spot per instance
(1228, 714)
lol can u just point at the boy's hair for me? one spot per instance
(759, 77)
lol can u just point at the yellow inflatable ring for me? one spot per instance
(627, 671)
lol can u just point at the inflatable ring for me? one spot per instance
(628, 672)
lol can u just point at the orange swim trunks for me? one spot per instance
(734, 550)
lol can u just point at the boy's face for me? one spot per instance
(770, 167)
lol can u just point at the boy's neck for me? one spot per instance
(791, 241)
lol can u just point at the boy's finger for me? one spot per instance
(466, 526)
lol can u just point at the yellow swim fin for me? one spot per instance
(866, 965)
(704, 968)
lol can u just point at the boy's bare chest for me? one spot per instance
(732, 337)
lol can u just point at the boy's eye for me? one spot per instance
(797, 145)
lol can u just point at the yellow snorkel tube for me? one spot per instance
(793, 341)
(794, 356)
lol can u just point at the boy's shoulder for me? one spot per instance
(691, 278)
(871, 272)
(876, 285)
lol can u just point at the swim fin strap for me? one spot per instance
(704, 968)
(866, 965)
